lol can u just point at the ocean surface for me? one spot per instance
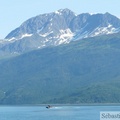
(55, 113)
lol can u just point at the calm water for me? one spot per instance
(56, 113)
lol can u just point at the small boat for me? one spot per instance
(49, 106)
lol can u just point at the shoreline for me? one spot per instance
(82, 104)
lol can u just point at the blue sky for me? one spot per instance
(14, 12)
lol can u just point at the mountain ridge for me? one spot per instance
(59, 27)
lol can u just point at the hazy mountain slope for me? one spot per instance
(107, 92)
(68, 70)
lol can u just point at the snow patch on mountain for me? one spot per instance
(57, 12)
(65, 36)
(26, 35)
(103, 30)
(46, 34)
(22, 36)
(93, 13)
(12, 39)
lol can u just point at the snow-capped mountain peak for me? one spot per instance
(60, 27)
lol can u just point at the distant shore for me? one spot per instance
(82, 104)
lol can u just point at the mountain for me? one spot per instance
(44, 68)
(83, 71)
(59, 27)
